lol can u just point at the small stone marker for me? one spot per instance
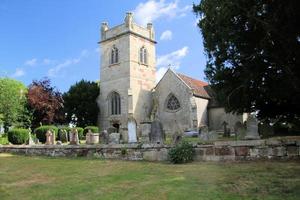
(104, 137)
(74, 140)
(50, 138)
(30, 140)
(157, 133)
(146, 131)
(114, 138)
(204, 135)
(252, 128)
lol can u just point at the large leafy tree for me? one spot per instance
(253, 51)
(45, 101)
(12, 101)
(80, 103)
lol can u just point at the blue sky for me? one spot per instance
(58, 38)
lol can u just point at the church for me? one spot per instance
(129, 95)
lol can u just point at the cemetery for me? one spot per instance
(141, 106)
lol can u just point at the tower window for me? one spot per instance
(172, 103)
(143, 55)
(114, 55)
(115, 103)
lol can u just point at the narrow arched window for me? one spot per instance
(115, 103)
(143, 55)
(172, 103)
(114, 55)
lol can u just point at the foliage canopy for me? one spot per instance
(253, 51)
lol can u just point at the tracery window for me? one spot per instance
(115, 103)
(114, 55)
(143, 55)
(172, 103)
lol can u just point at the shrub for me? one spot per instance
(181, 153)
(3, 139)
(94, 129)
(40, 132)
(18, 136)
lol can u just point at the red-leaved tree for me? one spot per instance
(45, 102)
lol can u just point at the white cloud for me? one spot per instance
(18, 73)
(153, 10)
(54, 71)
(31, 62)
(166, 35)
(171, 60)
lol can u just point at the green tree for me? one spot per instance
(12, 101)
(253, 51)
(80, 103)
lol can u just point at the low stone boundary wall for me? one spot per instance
(219, 151)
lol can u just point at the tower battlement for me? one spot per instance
(128, 27)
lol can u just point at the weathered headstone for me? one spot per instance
(104, 137)
(30, 140)
(225, 129)
(92, 138)
(63, 135)
(177, 138)
(146, 131)
(111, 130)
(50, 138)
(114, 138)
(157, 133)
(74, 139)
(252, 128)
(213, 135)
(239, 130)
(204, 134)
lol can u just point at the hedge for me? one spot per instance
(94, 129)
(80, 133)
(18, 136)
(40, 132)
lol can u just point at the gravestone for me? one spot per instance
(50, 138)
(74, 139)
(111, 130)
(177, 138)
(204, 134)
(30, 140)
(252, 128)
(239, 130)
(92, 138)
(225, 129)
(146, 131)
(63, 135)
(104, 137)
(157, 133)
(213, 135)
(114, 138)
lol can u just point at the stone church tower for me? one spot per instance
(127, 76)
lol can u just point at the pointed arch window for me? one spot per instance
(143, 55)
(115, 103)
(114, 55)
(172, 103)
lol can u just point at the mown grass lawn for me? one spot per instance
(62, 178)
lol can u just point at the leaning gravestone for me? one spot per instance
(114, 138)
(252, 128)
(157, 133)
(74, 139)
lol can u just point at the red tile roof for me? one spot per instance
(196, 85)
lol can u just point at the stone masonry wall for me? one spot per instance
(219, 151)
